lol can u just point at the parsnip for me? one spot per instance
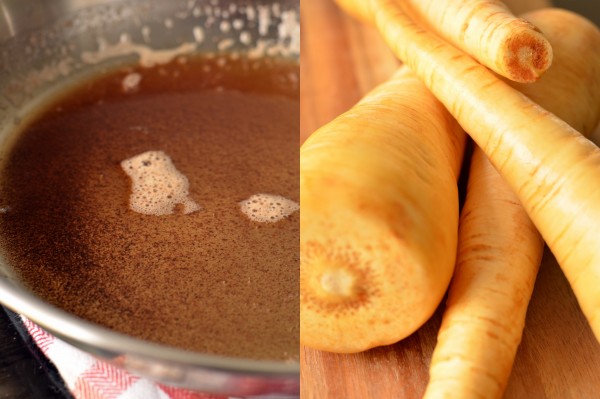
(552, 168)
(379, 218)
(485, 29)
(499, 249)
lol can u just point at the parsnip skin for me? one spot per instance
(570, 89)
(499, 253)
(489, 32)
(552, 168)
(499, 249)
(360, 10)
(379, 218)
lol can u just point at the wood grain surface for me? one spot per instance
(558, 357)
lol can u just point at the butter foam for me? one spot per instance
(268, 208)
(157, 187)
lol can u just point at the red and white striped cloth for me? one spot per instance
(89, 378)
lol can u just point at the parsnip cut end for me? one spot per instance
(529, 55)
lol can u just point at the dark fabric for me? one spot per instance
(25, 373)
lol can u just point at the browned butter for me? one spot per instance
(211, 280)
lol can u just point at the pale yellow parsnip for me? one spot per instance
(499, 249)
(485, 29)
(379, 218)
(489, 32)
(554, 170)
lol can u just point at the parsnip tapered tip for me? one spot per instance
(528, 56)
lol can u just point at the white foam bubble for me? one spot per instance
(250, 13)
(268, 208)
(264, 20)
(225, 44)
(198, 34)
(157, 187)
(146, 33)
(148, 56)
(237, 24)
(131, 82)
(225, 26)
(245, 38)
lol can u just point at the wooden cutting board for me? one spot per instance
(559, 358)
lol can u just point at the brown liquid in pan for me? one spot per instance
(211, 281)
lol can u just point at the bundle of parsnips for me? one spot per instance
(380, 231)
